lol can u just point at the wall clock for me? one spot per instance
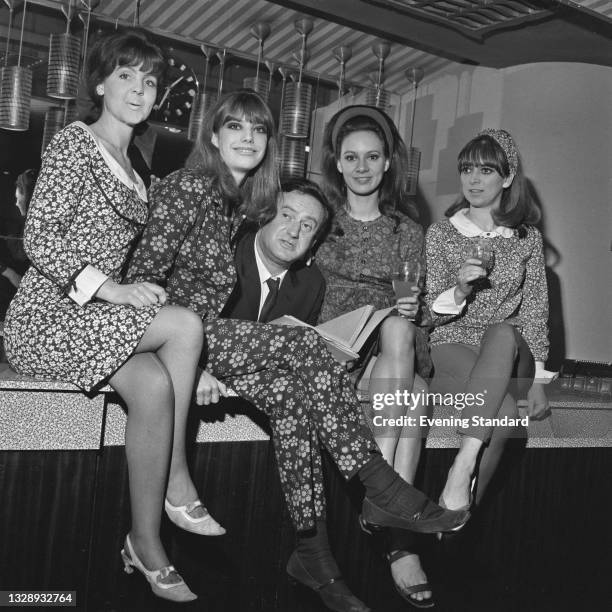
(177, 96)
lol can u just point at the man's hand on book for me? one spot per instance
(408, 306)
(209, 390)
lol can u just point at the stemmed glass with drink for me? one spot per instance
(405, 278)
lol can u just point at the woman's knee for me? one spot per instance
(502, 334)
(397, 336)
(186, 325)
(145, 383)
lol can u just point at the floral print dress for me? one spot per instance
(357, 263)
(286, 372)
(82, 214)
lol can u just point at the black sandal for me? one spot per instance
(406, 592)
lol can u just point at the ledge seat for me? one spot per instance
(40, 414)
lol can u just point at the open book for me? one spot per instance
(346, 334)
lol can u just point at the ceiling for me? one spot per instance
(429, 34)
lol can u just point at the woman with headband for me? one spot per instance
(365, 170)
(490, 316)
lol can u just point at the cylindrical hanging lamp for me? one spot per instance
(64, 61)
(63, 70)
(297, 103)
(15, 87)
(293, 157)
(203, 101)
(295, 114)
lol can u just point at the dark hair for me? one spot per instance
(393, 194)
(126, 47)
(25, 183)
(516, 208)
(256, 196)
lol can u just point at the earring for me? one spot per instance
(100, 90)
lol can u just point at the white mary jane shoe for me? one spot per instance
(203, 525)
(174, 591)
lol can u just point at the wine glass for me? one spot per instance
(483, 251)
(405, 279)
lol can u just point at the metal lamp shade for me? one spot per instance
(296, 111)
(257, 84)
(63, 70)
(54, 122)
(414, 163)
(293, 157)
(198, 111)
(15, 97)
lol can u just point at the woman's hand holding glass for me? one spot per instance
(405, 278)
(478, 263)
(138, 295)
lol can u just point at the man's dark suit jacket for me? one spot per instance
(301, 292)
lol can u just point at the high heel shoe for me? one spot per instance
(430, 518)
(203, 525)
(174, 591)
(332, 590)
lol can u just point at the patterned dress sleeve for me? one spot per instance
(174, 206)
(533, 311)
(440, 275)
(54, 204)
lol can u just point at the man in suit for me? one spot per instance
(281, 250)
(276, 277)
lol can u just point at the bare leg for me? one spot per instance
(146, 388)
(176, 336)
(392, 372)
(401, 447)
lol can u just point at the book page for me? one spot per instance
(336, 346)
(346, 328)
(373, 322)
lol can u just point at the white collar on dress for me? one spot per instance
(469, 229)
(114, 166)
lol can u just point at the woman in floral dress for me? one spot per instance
(490, 317)
(73, 320)
(365, 174)
(286, 372)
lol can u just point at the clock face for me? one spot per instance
(176, 98)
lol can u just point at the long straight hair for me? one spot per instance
(256, 196)
(393, 191)
(516, 208)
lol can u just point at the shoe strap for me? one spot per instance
(417, 588)
(164, 572)
(396, 555)
(191, 506)
(330, 582)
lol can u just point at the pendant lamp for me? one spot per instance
(15, 85)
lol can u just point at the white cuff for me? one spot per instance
(87, 282)
(445, 303)
(543, 376)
